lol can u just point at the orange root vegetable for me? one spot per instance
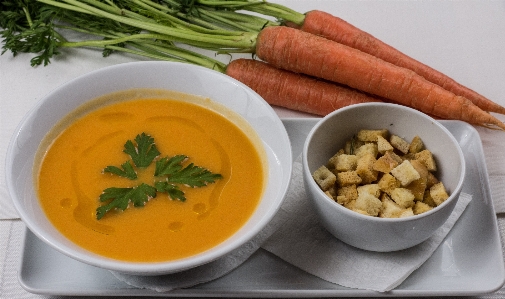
(303, 52)
(294, 91)
(336, 29)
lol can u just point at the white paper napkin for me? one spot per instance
(295, 236)
(303, 242)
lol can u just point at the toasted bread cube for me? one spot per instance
(388, 183)
(407, 213)
(417, 188)
(408, 156)
(438, 193)
(346, 162)
(385, 163)
(324, 178)
(367, 149)
(399, 143)
(427, 199)
(365, 169)
(432, 180)
(416, 145)
(332, 162)
(420, 207)
(390, 209)
(394, 156)
(346, 194)
(370, 189)
(347, 178)
(403, 197)
(340, 199)
(405, 173)
(383, 145)
(420, 168)
(368, 203)
(426, 157)
(350, 205)
(371, 135)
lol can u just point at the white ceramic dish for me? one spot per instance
(183, 78)
(468, 262)
(376, 233)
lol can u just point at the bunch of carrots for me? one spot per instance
(313, 62)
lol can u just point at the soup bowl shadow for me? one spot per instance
(183, 78)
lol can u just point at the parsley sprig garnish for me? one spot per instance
(169, 174)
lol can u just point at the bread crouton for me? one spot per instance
(365, 169)
(383, 145)
(427, 199)
(346, 162)
(420, 168)
(324, 178)
(385, 163)
(432, 180)
(371, 135)
(403, 197)
(390, 209)
(399, 143)
(426, 157)
(347, 178)
(367, 149)
(416, 145)
(417, 188)
(368, 203)
(438, 193)
(407, 213)
(346, 194)
(332, 162)
(420, 207)
(370, 189)
(388, 183)
(405, 173)
(350, 205)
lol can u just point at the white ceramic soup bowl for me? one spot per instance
(374, 233)
(178, 77)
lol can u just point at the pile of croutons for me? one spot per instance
(383, 175)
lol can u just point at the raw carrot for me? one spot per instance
(303, 52)
(334, 28)
(294, 91)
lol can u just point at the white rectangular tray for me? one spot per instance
(468, 262)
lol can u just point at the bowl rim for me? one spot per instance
(162, 267)
(452, 197)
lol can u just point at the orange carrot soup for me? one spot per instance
(88, 163)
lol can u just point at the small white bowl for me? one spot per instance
(374, 233)
(179, 77)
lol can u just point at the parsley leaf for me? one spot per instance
(173, 191)
(144, 152)
(127, 171)
(121, 197)
(172, 170)
(191, 175)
